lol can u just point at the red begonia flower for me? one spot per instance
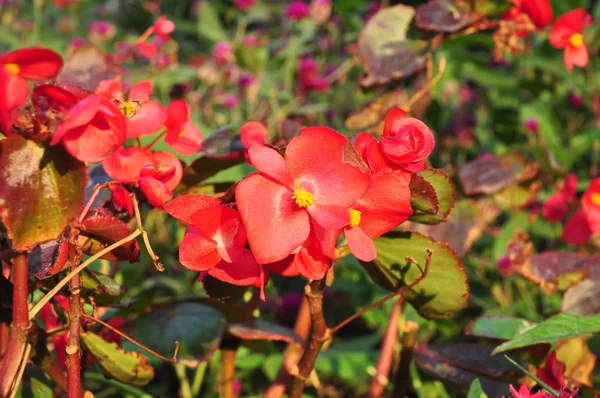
(125, 164)
(183, 136)
(253, 133)
(590, 202)
(406, 141)
(143, 116)
(320, 179)
(120, 198)
(214, 232)
(577, 229)
(285, 267)
(163, 27)
(170, 160)
(92, 129)
(566, 33)
(557, 205)
(16, 67)
(243, 271)
(552, 373)
(156, 191)
(50, 97)
(525, 392)
(539, 11)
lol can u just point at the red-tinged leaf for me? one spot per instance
(383, 47)
(223, 143)
(443, 15)
(496, 327)
(422, 196)
(424, 201)
(559, 270)
(264, 330)
(49, 258)
(41, 191)
(102, 229)
(85, 67)
(490, 173)
(466, 224)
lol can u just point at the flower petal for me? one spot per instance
(125, 164)
(245, 271)
(360, 244)
(392, 121)
(141, 91)
(197, 252)
(577, 229)
(35, 63)
(148, 119)
(330, 217)
(268, 161)
(312, 263)
(275, 224)
(224, 226)
(168, 159)
(184, 206)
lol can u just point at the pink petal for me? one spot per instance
(330, 217)
(360, 244)
(110, 89)
(148, 119)
(224, 226)
(312, 263)
(125, 164)
(156, 192)
(245, 271)
(184, 206)
(197, 252)
(168, 159)
(141, 91)
(17, 91)
(268, 161)
(34, 63)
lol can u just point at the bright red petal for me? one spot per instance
(156, 192)
(49, 97)
(141, 91)
(312, 263)
(577, 230)
(253, 133)
(576, 56)
(392, 121)
(197, 252)
(362, 142)
(17, 91)
(285, 267)
(5, 117)
(34, 63)
(268, 161)
(184, 206)
(125, 164)
(276, 226)
(148, 119)
(555, 208)
(168, 159)
(224, 226)
(327, 239)
(328, 166)
(329, 217)
(188, 141)
(110, 89)
(178, 113)
(360, 244)
(245, 271)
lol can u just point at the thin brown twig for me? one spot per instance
(419, 94)
(138, 219)
(90, 202)
(137, 343)
(73, 348)
(402, 290)
(79, 268)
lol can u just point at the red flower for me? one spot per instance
(566, 33)
(552, 373)
(124, 164)
(244, 271)
(297, 10)
(16, 68)
(538, 11)
(590, 202)
(168, 160)
(143, 116)
(214, 233)
(318, 181)
(182, 135)
(92, 129)
(120, 198)
(163, 27)
(577, 229)
(156, 191)
(557, 205)
(253, 133)
(244, 5)
(525, 392)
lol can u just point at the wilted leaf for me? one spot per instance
(464, 226)
(433, 198)
(384, 49)
(223, 143)
(41, 190)
(465, 368)
(445, 288)
(443, 15)
(579, 360)
(48, 258)
(490, 173)
(199, 329)
(496, 327)
(101, 229)
(559, 327)
(558, 270)
(100, 283)
(85, 67)
(264, 330)
(476, 391)
(582, 298)
(125, 366)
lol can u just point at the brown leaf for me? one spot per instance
(443, 15)
(582, 298)
(264, 330)
(85, 67)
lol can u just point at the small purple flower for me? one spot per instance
(297, 10)
(223, 53)
(231, 101)
(531, 125)
(246, 79)
(101, 31)
(575, 100)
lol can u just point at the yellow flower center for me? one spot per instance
(181, 133)
(302, 196)
(12, 68)
(129, 109)
(595, 198)
(576, 40)
(354, 218)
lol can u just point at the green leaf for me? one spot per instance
(253, 58)
(264, 330)
(550, 132)
(41, 190)
(476, 391)
(444, 290)
(384, 49)
(496, 327)
(432, 196)
(198, 328)
(125, 366)
(559, 327)
(100, 283)
(208, 24)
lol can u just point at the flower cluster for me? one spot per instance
(292, 211)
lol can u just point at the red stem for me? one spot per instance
(73, 350)
(20, 325)
(228, 372)
(4, 336)
(384, 364)
(292, 353)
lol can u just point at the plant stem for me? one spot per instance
(292, 353)
(73, 348)
(4, 336)
(198, 379)
(384, 364)
(402, 377)
(186, 390)
(228, 372)
(20, 325)
(314, 295)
